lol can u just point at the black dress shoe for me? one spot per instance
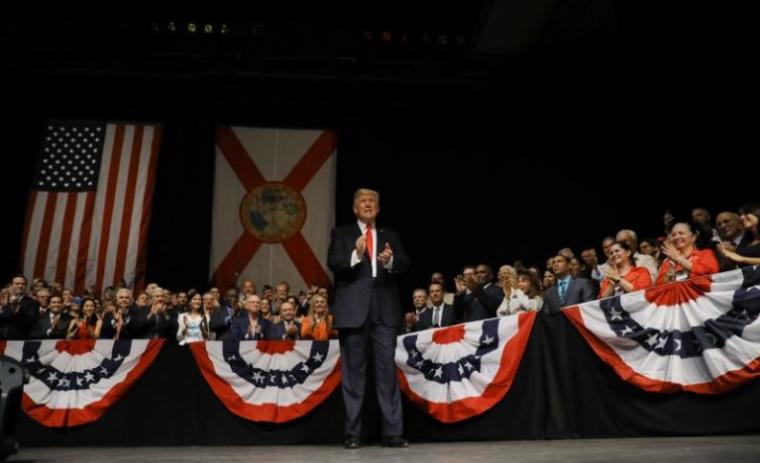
(396, 442)
(351, 443)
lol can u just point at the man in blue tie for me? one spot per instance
(569, 290)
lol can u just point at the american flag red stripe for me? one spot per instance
(108, 209)
(142, 260)
(84, 243)
(68, 224)
(84, 237)
(134, 165)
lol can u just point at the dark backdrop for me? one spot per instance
(478, 158)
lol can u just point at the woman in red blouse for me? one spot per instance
(684, 260)
(622, 276)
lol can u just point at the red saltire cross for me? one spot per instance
(296, 246)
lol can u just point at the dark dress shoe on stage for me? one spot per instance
(396, 442)
(352, 443)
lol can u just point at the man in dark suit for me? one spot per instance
(249, 325)
(287, 327)
(366, 261)
(127, 321)
(568, 290)
(54, 323)
(18, 311)
(222, 318)
(440, 314)
(477, 297)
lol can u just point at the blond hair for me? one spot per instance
(366, 191)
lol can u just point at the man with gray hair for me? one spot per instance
(730, 231)
(642, 260)
(126, 321)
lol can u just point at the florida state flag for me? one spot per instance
(274, 203)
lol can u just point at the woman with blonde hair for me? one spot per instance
(318, 324)
(508, 281)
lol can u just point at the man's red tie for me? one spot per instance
(368, 239)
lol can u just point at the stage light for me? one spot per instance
(225, 29)
(443, 40)
(208, 29)
(154, 27)
(192, 28)
(387, 36)
(171, 27)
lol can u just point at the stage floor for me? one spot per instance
(731, 449)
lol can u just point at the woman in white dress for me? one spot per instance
(193, 326)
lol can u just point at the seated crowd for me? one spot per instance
(48, 311)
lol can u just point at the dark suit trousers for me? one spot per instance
(354, 345)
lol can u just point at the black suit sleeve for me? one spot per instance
(587, 292)
(459, 307)
(401, 262)
(339, 254)
(217, 324)
(489, 297)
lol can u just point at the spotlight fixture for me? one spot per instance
(171, 27)
(225, 29)
(192, 28)
(208, 29)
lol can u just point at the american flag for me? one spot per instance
(89, 208)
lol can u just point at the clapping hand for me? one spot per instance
(361, 246)
(671, 252)
(387, 254)
(612, 274)
(460, 284)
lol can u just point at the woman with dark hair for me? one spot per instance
(750, 253)
(651, 247)
(549, 280)
(86, 323)
(684, 260)
(525, 297)
(193, 326)
(265, 310)
(622, 275)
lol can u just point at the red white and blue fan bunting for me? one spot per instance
(458, 372)
(75, 382)
(700, 335)
(273, 381)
